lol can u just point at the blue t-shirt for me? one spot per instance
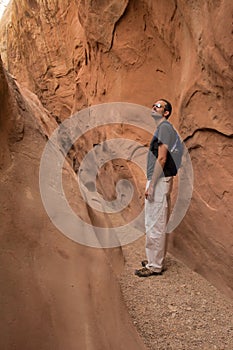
(164, 134)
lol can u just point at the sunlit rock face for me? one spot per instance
(74, 54)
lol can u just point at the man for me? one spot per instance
(160, 172)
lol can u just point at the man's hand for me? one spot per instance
(149, 194)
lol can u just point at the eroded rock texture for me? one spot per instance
(73, 54)
(53, 296)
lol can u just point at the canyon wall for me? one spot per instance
(55, 293)
(74, 54)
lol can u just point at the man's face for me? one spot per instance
(159, 107)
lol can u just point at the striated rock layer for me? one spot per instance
(73, 54)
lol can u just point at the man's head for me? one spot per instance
(163, 107)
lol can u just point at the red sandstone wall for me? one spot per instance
(55, 293)
(74, 54)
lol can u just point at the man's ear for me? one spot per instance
(166, 114)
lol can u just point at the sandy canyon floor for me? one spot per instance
(178, 310)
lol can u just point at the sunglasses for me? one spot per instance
(158, 105)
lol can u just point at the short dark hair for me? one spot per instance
(168, 106)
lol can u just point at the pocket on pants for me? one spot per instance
(162, 188)
(167, 181)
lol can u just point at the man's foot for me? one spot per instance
(145, 272)
(145, 262)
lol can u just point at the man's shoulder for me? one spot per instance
(166, 126)
(165, 123)
(166, 133)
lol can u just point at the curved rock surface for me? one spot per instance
(55, 293)
(73, 54)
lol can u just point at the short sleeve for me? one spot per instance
(165, 134)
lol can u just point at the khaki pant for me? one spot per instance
(156, 217)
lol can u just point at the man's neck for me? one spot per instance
(160, 121)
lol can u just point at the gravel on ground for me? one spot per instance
(179, 310)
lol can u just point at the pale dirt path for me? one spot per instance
(179, 310)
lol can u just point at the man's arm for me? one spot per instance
(158, 169)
